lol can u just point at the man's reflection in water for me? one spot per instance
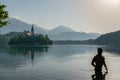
(99, 76)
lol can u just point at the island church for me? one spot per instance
(28, 33)
(29, 37)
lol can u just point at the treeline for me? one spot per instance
(3, 40)
(16, 38)
(35, 39)
(112, 38)
(76, 42)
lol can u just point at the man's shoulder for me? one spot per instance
(103, 57)
(96, 56)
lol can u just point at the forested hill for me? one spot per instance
(109, 38)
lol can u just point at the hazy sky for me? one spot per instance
(100, 16)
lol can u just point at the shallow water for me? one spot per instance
(56, 62)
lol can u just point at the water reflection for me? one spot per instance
(26, 49)
(99, 76)
(113, 49)
(12, 57)
(56, 62)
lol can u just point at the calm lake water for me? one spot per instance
(56, 62)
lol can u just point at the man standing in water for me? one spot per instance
(98, 61)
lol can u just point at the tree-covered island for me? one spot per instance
(28, 37)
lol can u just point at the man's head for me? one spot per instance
(100, 50)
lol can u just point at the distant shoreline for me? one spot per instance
(81, 42)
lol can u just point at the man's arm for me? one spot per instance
(105, 65)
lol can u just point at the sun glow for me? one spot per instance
(108, 4)
(115, 2)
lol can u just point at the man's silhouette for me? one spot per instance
(98, 61)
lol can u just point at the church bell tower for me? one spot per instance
(32, 30)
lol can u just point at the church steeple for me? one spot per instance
(32, 30)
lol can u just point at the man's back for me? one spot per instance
(99, 61)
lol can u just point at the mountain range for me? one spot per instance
(112, 38)
(59, 33)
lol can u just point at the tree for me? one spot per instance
(3, 15)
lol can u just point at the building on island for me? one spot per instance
(32, 31)
(29, 33)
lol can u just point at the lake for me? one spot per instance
(56, 62)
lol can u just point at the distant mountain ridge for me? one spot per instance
(59, 33)
(16, 25)
(60, 29)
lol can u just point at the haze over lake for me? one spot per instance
(55, 62)
(71, 32)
